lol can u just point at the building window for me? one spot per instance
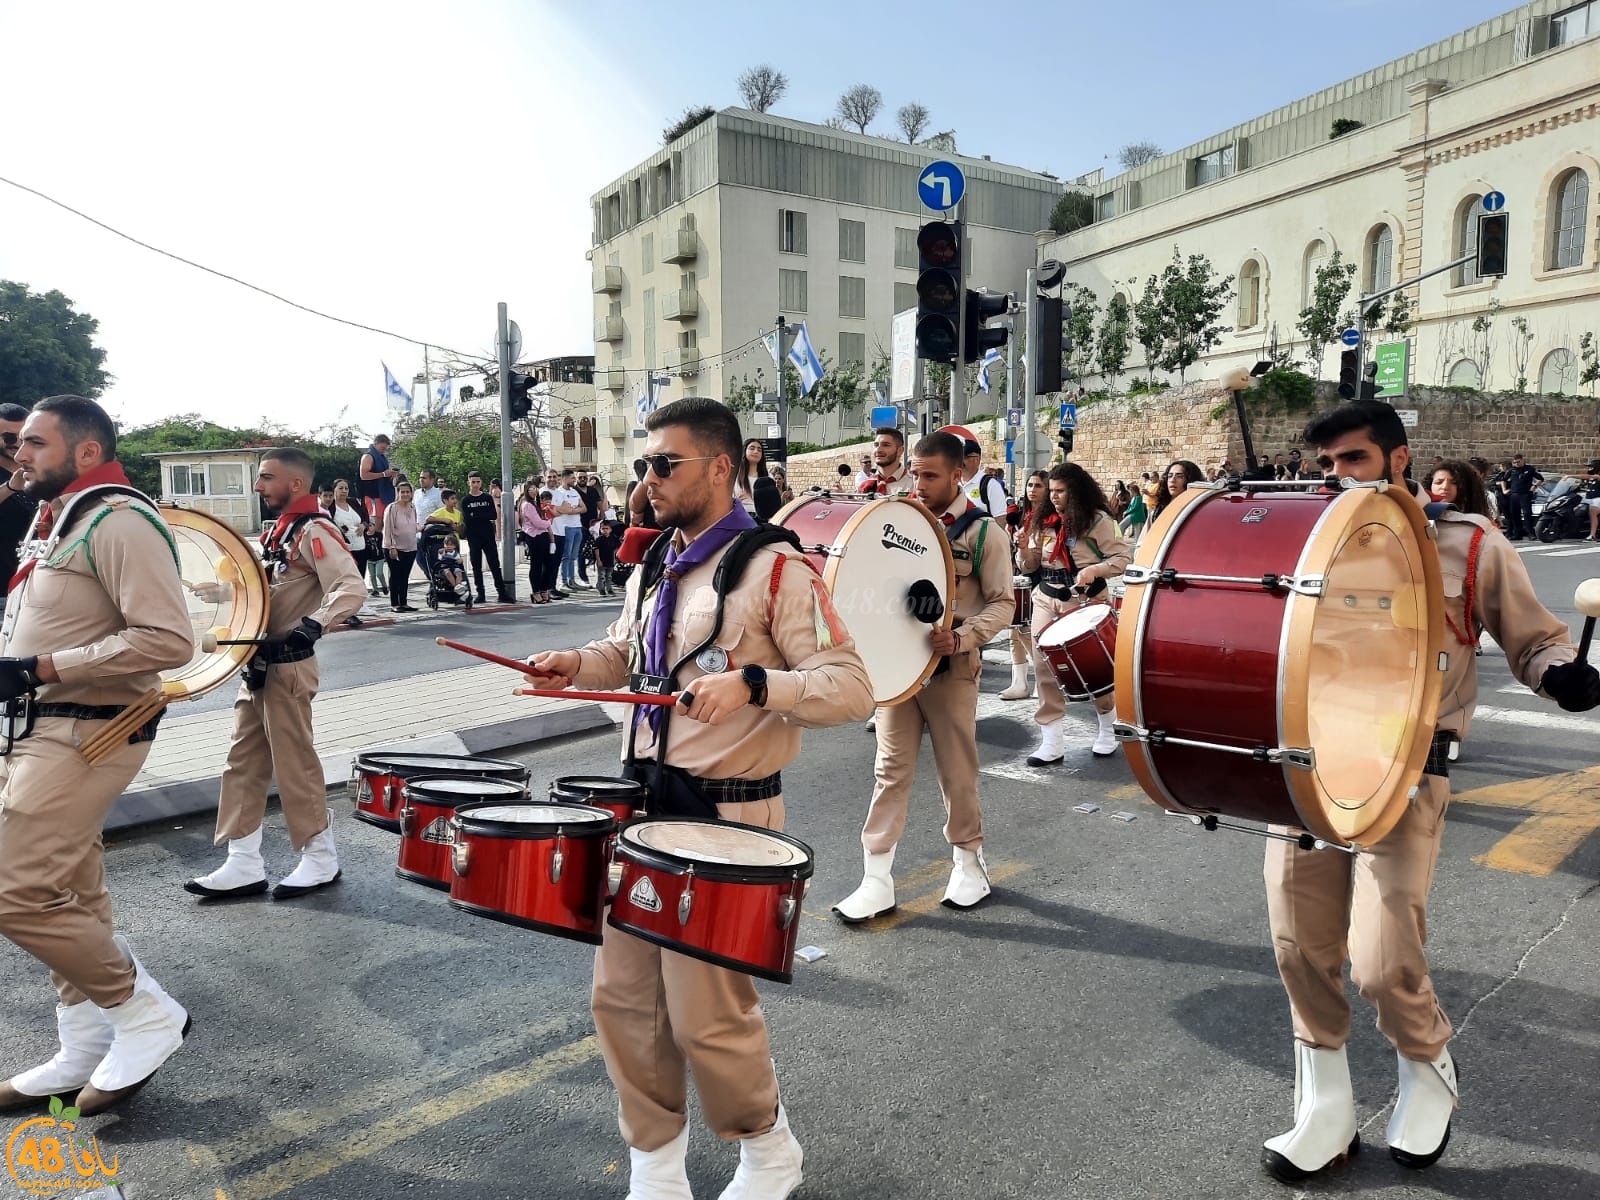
(905, 249)
(647, 248)
(792, 291)
(1249, 294)
(1380, 259)
(852, 296)
(791, 232)
(586, 437)
(1559, 372)
(905, 296)
(188, 480)
(1572, 213)
(569, 434)
(227, 479)
(1316, 258)
(852, 241)
(686, 281)
(1464, 374)
(1466, 238)
(647, 304)
(1216, 165)
(853, 348)
(1574, 23)
(1105, 207)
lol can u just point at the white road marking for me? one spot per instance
(1537, 720)
(1573, 553)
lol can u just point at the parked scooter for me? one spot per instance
(1564, 514)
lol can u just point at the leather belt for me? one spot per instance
(100, 712)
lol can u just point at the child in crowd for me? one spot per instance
(606, 541)
(450, 565)
(377, 571)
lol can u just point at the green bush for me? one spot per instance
(1146, 387)
(1294, 390)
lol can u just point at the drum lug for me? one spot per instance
(613, 877)
(1304, 585)
(1137, 574)
(358, 783)
(786, 910)
(393, 796)
(558, 860)
(407, 820)
(1444, 661)
(686, 900)
(1125, 732)
(460, 854)
(1301, 759)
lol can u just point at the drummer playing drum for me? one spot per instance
(1073, 542)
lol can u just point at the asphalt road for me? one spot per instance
(1110, 1025)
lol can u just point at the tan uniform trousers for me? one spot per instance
(272, 735)
(53, 898)
(947, 708)
(1021, 645)
(663, 1015)
(1324, 906)
(1052, 699)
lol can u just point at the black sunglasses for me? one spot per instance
(662, 464)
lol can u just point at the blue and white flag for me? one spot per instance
(399, 399)
(443, 399)
(650, 395)
(804, 357)
(770, 341)
(990, 357)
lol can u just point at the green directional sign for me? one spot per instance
(1392, 358)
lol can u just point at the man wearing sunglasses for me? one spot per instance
(781, 659)
(16, 506)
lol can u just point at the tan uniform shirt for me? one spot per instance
(1102, 550)
(814, 675)
(320, 581)
(984, 603)
(107, 604)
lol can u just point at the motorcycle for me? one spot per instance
(1564, 514)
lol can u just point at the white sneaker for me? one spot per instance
(241, 874)
(660, 1174)
(875, 896)
(318, 867)
(969, 879)
(1419, 1130)
(1049, 751)
(1021, 687)
(769, 1164)
(85, 1035)
(1105, 741)
(147, 1027)
(1324, 1132)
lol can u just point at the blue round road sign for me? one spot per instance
(1494, 201)
(941, 185)
(1351, 337)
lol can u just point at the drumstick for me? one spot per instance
(684, 698)
(1587, 601)
(210, 641)
(490, 656)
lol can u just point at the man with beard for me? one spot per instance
(97, 613)
(16, 506)
(890, 476)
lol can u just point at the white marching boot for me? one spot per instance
(969, 879)
(1105, 742)
(1324, 1130)
(875, 896)
(1419, 1130)
(769, 1164)
(85, 1036)
(241, 874)
(147, 1027)
(319, 867)
(1049, 751)
(660, 1174)
(1021, 687)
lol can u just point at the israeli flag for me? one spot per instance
(991, 356)
(804, 357)
(770, 341)
(399, 399)
(443, 395)
(650, 396)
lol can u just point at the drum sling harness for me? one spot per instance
(672, 790)
(951, 532)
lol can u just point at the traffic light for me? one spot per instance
(1047, 360)
(939, 290)
(1493, 229)
(1064, 440)
(1347, 375)
(520, 394)
(981, 307)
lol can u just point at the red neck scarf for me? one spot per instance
(306, 504)
(1058, 552)
(110, 472)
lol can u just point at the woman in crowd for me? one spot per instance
(1455, 482)
(781, 478)
(1133, 517)
(352, 521)
(1174, 481)
(400, 545)
(751, 467)
(1021, 634)
(533, 531)
(1120, 499)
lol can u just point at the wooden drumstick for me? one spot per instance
(683, 698)
(490, 656)
(121, 727)
(1587, 601)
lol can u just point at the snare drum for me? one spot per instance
(429, 801)
(537, 866)
(622, 798)
(376, 779)
(1021, 601)
(1081, 648)
(1278, 658)
(726, 893)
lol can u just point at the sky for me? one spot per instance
(409, 165)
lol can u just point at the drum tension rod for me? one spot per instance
(1305, 841)
(1305, 585)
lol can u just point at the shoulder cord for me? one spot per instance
(63, 553)
(1468, 592)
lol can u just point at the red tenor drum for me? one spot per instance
(429, 801)
(538, 866)
(376, 780)
(1279, 657)
(622, 798)
(715, 890)
(1081, 646)
(1021, 600)
(887, 565)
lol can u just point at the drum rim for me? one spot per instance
(499, 767)
(742, 966)
(523, 831)
(505, 918)
(418, 790)
(671, 864)
(631, 787)
(1073, 612)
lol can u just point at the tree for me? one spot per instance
(1136, 154)
(1591, 362)
(1321, 320)
(1148, 328)
(1192, 297)
(1111, 350)
(692, 116)
(455, 444)
(762, 87)
(913, 120)
(1082, 307)
(1073, 211)
(1483, 341)
(46, 347)
(1521, 350)
(859, 106)
(1342, 126)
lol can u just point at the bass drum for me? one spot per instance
(227, 594)
(887, 565)
(1278, 657)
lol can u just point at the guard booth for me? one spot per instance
(219, 482)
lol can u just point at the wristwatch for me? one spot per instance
(756, 678)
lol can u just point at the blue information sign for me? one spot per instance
(887, 415)
(941, 185)
(1011, 452)
(1069, 416)
(1494, 201)
(1351, 337)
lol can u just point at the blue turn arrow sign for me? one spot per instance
(941, 185)
(1494, 201)
(1351, 337)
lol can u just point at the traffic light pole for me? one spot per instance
(1366, 302)
(1011, 388)
(1030, 322)
(508, 490)
(958, 370)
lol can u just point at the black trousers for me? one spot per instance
(542, 564)
(400, 576)
(479, 547)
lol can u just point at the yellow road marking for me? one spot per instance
(925, 904)
(920, 878)
(1128, 791)
(374, 1139)
(1566, 812)
(206, 1161)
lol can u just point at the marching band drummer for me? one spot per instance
(890, 474)
(948, 705)
(1022, 634)
(1373, 906)
(783, 661)
(1072, 525)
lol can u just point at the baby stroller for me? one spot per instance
(440, 589)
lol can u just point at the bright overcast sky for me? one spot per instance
(344, 154)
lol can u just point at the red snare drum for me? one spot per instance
(1278, 657)
(429, 803)
(1081, 646)
(537, 866)
(622, 798)
(376, 780)
(1021, 601)
(726, 893)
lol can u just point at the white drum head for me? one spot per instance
(537, 814)
(1074, 624)
(705, 841)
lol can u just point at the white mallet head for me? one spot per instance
(1587, 598)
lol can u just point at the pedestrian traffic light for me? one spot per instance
(981, 307)
(939, 290)
(520, 393)
(1064, 440)
(1493, 229)
(1047, 359)
(1347, 375)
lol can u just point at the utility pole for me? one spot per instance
(508, 493)
(427, 374)
(1011, 387)
(783, 358)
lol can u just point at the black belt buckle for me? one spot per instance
(17, 709)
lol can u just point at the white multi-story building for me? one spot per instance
(747, 216)
(1391, 168)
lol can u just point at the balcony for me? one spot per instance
(683, 245)
(618, 427)
(611, 379)
(681, 304)
(608, 329)
(607, 279)
(684, 362)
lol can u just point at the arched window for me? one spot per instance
(1466, 238)
(569, 434)
(1316, 255)
(586, 436)
(1464, 374)
(1249, 294)
(1380, 258)
(1572, 214)
(1558, 372)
